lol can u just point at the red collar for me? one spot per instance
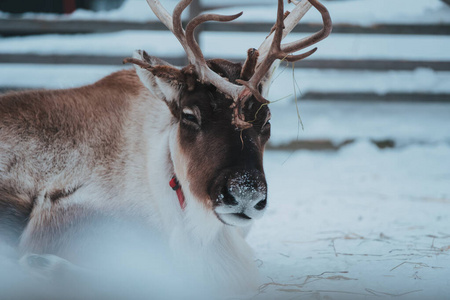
(175, 185)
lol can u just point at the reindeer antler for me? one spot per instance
(258, 62)
(279, 51)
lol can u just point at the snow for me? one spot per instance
(131, 10)
(51, 76)
(160, 43)
(362, 12)
(418, 81)
(119, 43)
(360, 223)
(355, 223)
(338, 121)
(341, 46)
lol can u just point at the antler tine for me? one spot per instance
(289, 23)
(315, 38)
(205, 73)
(195, 22)
(177, 27)
(294, 58)
(273, 54)
(248, 69)
(173, 23)
(189, 44)
(239, 94)
(278, 28)
(278, 51)
(161, 13)
(176, 16)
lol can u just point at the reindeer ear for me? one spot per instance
(162, 79)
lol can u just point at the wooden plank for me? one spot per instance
(413, 29)
(316, 145)
(339, 96)
(328, 145)
(373, 64)
(369, 96)
(74, 59)
(19, 26)
(339, 64)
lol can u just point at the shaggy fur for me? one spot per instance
(107, 151)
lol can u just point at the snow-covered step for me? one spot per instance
(231, 45)
(423, 81)
(339, 51)
(332, 124)
(420, 81)
(60, 25)
(341, 46)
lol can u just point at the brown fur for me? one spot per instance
(61, 136)
(57, 144)
(215, 153)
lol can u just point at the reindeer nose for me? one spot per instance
(229, 198)
(261, 204)
(244, 196)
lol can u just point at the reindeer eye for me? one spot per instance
(266, 126)
(189, 117)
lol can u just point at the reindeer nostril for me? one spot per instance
(227, 198)
(261, 204)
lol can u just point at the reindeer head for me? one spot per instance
(221, 115)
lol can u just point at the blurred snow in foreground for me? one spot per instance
(355, 224)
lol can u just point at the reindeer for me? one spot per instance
(176, 150)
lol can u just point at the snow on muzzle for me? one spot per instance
(241, 197)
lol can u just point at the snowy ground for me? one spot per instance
(360, 223)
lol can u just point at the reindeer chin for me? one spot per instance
(235, 219)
